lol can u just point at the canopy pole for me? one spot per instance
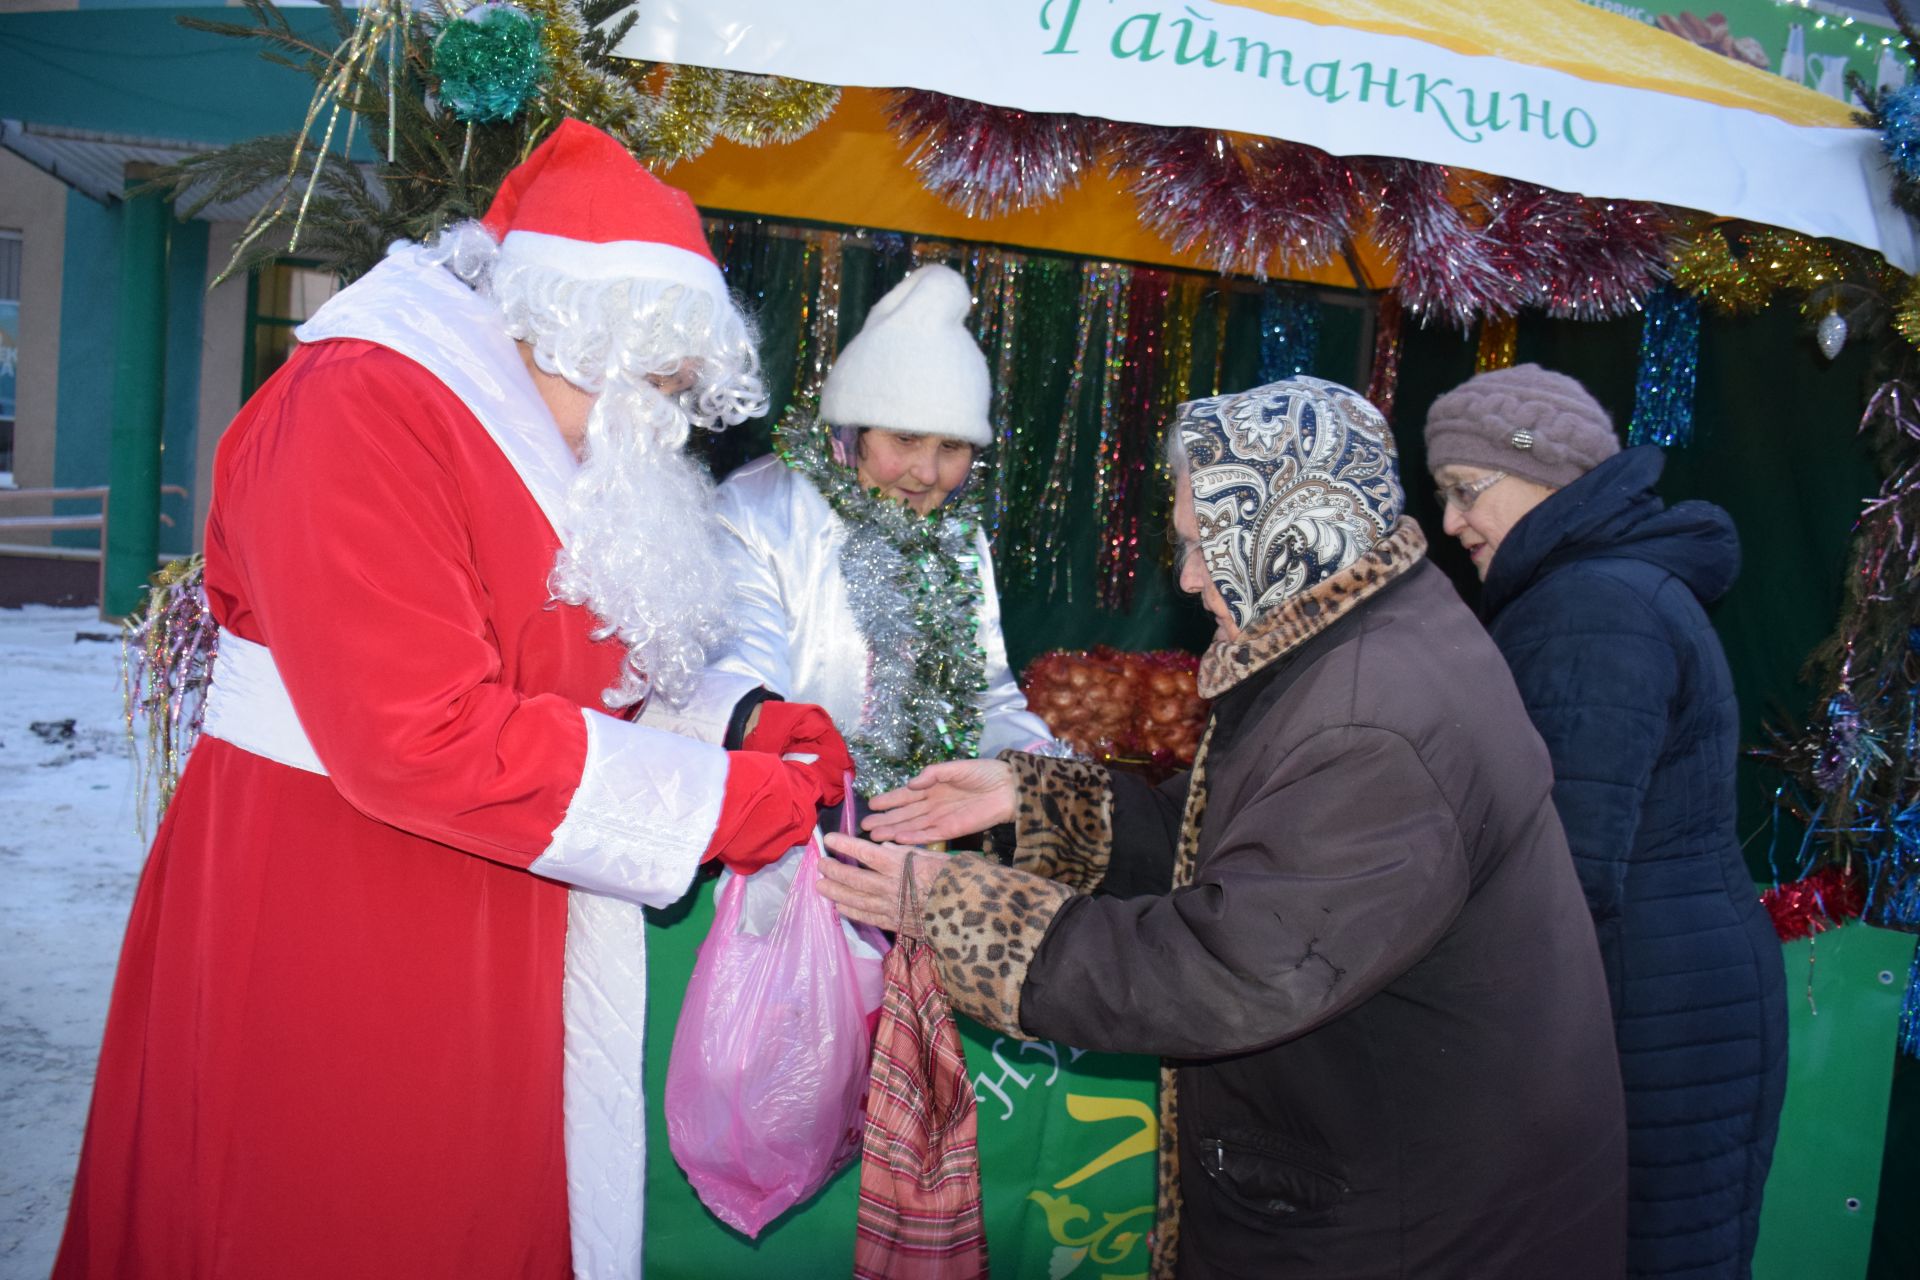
(132, 536)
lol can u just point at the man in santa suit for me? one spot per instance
(380, 1004)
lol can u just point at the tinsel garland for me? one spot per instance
(1853, 774)
(1813, 904)
(1384, 379)
(490, 62)
(819, 313)
(1735, 268)
(1136, 337)
(1499, 344)
(1242, 201)
(1443, 262)
(1669, 370)
(696, 105)
(769, 110)
(1895, 113)
(989, 161)
(167, 654)
(1030, 533)
(1289, 334)
(913, 583)
(1466, 247)
(1102, 289)
(997, 280)
(1579, 258)
(355, 63)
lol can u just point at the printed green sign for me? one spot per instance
(1813, 44)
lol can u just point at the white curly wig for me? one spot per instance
(640, 548)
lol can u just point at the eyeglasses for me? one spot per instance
(1461, 496)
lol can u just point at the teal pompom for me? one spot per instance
(490, 63)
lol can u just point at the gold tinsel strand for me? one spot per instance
(350, 66)
(1906, 313)
(771, 109)
(1499, 343)
(686, 115)
(612, 100)
(1738, 269)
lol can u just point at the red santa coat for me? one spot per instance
(336, 1040)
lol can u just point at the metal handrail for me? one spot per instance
(78, 493)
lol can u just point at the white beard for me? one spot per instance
(643, 552)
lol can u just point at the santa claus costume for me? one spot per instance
(379, 1008)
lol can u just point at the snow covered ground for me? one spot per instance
(70, 853)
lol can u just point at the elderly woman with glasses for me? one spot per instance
(1596, 593)
(1352, 930)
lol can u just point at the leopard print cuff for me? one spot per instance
(1062, 818)
(984, 922)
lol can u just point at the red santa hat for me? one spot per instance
(582, 206)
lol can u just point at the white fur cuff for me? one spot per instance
(642, 815)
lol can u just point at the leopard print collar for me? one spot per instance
(1292, 623)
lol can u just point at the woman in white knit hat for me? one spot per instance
(862, 576)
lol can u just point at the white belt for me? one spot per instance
(247, 705)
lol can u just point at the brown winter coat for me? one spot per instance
(1376, 978)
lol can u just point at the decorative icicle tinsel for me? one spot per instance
(913, 582)
(1669, 370)
(490, 62)
(1384, 380)
(1499, 343)
(1289, 334)
(167, 657)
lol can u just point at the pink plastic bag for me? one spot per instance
(769, 1062)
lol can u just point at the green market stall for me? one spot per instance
(1103, 309)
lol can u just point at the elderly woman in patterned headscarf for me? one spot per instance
(1352, 930)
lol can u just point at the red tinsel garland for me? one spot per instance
(1577, 258)
(1512, 245)
(1445, 263)
(989, 161)
(1240, 200)
(1824, 900)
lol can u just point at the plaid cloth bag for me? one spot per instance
(919, 1162)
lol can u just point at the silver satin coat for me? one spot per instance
(796, 631)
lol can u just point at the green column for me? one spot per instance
(133, 465)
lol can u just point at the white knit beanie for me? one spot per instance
(913, 367)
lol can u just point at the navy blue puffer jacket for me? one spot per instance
(1596, 598)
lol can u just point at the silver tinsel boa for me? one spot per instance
(913, 582)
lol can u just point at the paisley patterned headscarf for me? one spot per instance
(1292, 482)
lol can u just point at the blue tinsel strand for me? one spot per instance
(1289, 334)
(1900, 130)
(489, 63)
(1669, 369)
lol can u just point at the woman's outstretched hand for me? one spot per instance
(946, 800)
(873, 892)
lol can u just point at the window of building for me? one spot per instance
(280, 297)
(9, 348)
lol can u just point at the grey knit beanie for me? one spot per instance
(1527, 421)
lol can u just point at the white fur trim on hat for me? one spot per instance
(617, 260)
(913, 367)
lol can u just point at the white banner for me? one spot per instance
(1346, 91)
